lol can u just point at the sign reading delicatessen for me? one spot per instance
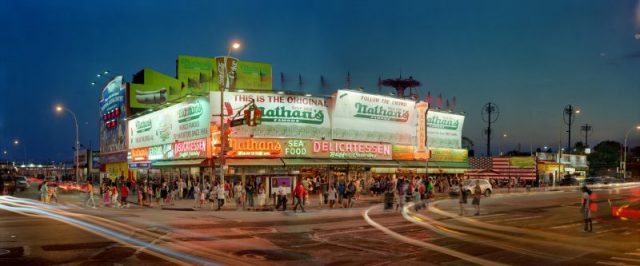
(298, 148)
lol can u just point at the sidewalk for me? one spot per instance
(230, 205)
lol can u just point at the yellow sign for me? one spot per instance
(115, 170)
(449, 155)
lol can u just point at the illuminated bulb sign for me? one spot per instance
(110, 118)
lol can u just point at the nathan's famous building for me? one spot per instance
(174, 130)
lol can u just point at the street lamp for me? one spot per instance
(59, 109)
(17, 142)
(624, 165)
(504, 136)
(233, 46)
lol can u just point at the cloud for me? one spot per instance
(632, 55)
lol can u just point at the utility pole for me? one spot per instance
(490, 114)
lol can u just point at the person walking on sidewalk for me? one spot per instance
(332, 196)
(341, 189)
(90, 196)
(220, 194)
(477, 194)
(44, 192)
(298, 194)
(249, 191)
(262, 196)
(124, 193)
(586, 209)
(238, 192)
(282, 197)
(463, 198)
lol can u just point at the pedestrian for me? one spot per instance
(477, 194)
(463, 198)
(90, 196)
(124, 193)
(106, 196)
(53, 192)
(238, 192)
(333, 194)
(341, 189)
(282, 197)
(114, 196)
(196, 193)
(44, 192)
(586, 209)
(249, 191)
(298, 196)
(220, 195)
(262, 196)
(416, 194)
(140, 190)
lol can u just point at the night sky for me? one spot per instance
(530, 57)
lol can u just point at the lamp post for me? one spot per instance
(624, 163)
(502, 148)
(17, 142)
(59, 109)
(223, 128)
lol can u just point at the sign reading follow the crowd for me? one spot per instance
(368, 117)
(185, 121)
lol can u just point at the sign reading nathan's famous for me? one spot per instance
(185, 121)
(367, 117)
(283, 116)
(444, 130)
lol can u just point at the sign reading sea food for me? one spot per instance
(283, 116)
(367, 117)
(181, 122)
(444, 130)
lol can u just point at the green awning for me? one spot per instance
(254, 162)
(412, 164)
(177, 163)
(448, 164)
(315, 162)
(373, 163)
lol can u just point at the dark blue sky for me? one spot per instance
(530, 57)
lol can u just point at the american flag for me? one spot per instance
(498, 167)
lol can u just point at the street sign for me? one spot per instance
(237, 122)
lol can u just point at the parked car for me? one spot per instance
(469, 185)
(22, 183)
(611, 180)
(568, 181)
(593, 180)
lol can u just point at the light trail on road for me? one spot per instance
(37, 209)
(425, 245)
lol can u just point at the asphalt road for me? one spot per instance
(514, 229)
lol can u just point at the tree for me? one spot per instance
(579, 148)
(605, 156)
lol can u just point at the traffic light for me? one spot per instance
(257, 117)
(247, 117)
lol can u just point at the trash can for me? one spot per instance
(388, 200)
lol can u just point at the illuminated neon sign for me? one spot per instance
(190, 149)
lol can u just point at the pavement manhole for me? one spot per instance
(8, 252)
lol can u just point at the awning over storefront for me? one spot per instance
(373, 163)
(412, 164)
(177, 163)
(255, 162)
(449, 165)
(314, 162)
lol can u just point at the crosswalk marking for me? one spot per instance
(625, 259)
(512, 219)
(632, 253)
(612, 263)
(566, 225)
